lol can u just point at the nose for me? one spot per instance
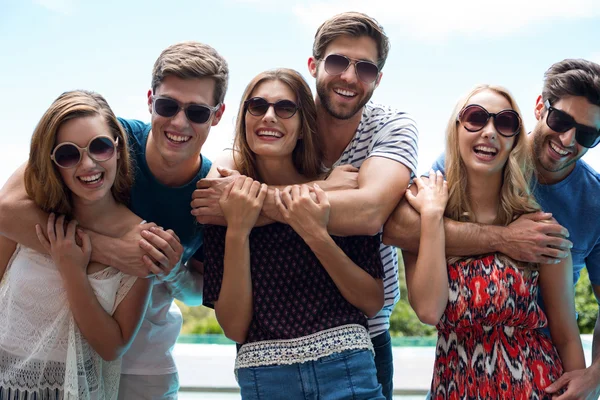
(489, 130)
(86, 160)
(568, 138)
(179, 120)
(349, 75)
(270, 115)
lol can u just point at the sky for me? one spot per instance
(439, 51)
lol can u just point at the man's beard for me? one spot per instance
(539, 147)
(326, 102)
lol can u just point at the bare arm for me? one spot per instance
(308, 218)
(110, 336)
(426, 274)
(530, 238)
(241, 203)
(556, 285)
(19, 215)
(7, 248)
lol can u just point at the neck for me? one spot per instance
(94, 215)
(278, 171)
(484, 194)
(173, 174)
(335, 133)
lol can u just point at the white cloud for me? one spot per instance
(58, 6)
(435, 19)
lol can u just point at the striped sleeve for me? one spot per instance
(395, 137)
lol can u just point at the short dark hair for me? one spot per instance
(572, 77)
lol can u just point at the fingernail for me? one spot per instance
(317, 186)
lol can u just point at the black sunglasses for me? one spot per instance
(68, 155)
(258, 106)
(195, 113)
(366, 71)
(559, 121)
(474, 117)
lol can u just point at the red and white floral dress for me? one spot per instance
(489, 342)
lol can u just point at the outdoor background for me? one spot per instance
(439, 50)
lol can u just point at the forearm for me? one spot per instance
(104, 248)
(185, 284)
(403, 230)
(234, 307)
(356, 212)
(357, 286)
(99, 328)
(428, 288)
(571, 354)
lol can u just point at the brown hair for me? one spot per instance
(572, 78)
(43, 182)
(353, 24)
(307, 154)
(192, 60)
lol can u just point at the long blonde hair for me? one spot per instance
(515, 194)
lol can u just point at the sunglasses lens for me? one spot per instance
(101, 148)
(257, 106)
(367, 72)
(507, 123)
(587, 137)
(285, 109)
(198, 114)
(67, 156)
(166, 107)
(336, 64)
(559, 121)
(474, 118)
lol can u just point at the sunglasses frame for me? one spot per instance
(274, 105)
(185, 107)
(86, 149)
(574, 123)
(490, 115)
(355, 62)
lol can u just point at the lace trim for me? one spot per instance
(305, 348)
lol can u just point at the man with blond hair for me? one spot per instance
(349, 51)
(189, 81)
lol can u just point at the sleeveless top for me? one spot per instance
(43, 354)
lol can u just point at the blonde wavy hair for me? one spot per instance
(516, 198)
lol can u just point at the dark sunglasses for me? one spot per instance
(366, 71)
(100, 148)
(474, 117)
(258, 106)
(195, 113)
(559, 121)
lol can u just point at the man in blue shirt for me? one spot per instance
(189, 81)
(568, 124)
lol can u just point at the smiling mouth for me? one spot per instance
(177, 138)
(558, 150)
(345, 93)
(485, 151)
(274, 134)
(91, 179)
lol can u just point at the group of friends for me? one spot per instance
(290, 235)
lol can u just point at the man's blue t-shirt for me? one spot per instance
(166, 206)
(575, 203)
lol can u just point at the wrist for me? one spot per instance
(431, 215)
(495, 237)
(317, 238)
(237, 234)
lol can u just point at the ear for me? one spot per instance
(539, 107)
(218, 115)
(150, 100)
(312, 66)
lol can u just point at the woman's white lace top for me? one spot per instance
(41, 348)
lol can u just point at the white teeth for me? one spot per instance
(91, 178)
(558, 149)
(269, 133)
(346, 93)
(178, 138)
(486, 149)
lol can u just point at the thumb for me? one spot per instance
(558, 384)
(320, 193)
(225, 171)
(540, 216)
(410, 197)
(85, 241)
(349, 168)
